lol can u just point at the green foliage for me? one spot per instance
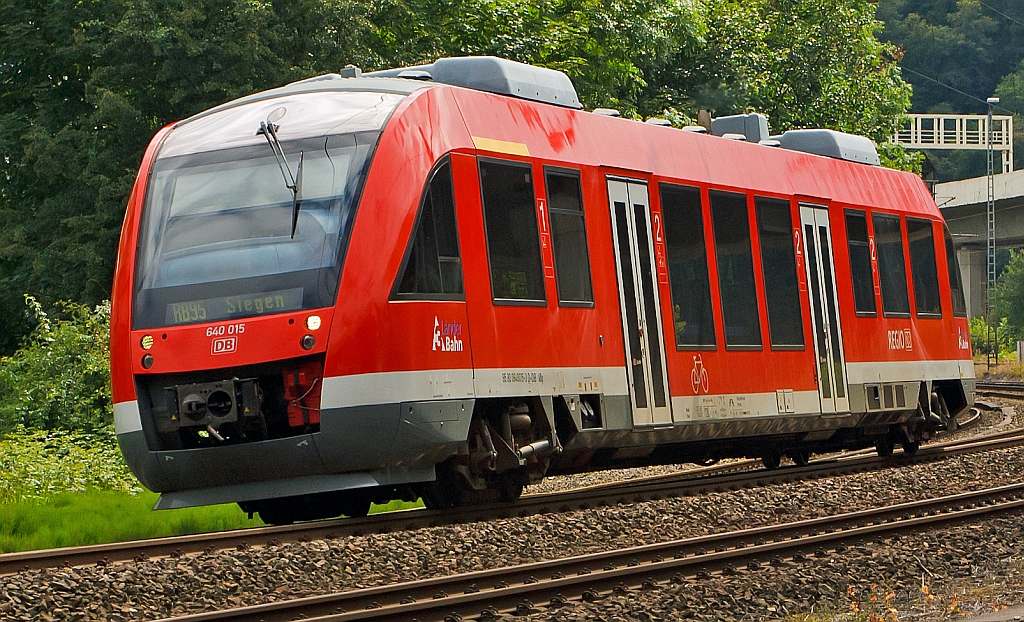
(98, 517)
(897, 157)
(816, 63)
(60, 379)
(1006, 338)
(76, 519)
(38, 464)
(85, 85)
(956, 55)
(83, 88)
(609, 48)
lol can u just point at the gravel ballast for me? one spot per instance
(977, 563)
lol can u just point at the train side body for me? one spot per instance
(394, 393)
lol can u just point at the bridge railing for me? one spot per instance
(958, 131)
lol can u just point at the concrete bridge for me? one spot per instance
(963, 204)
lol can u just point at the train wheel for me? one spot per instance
(356, 507)
(447, 491)
(801, 458)
(910, 447)
(772, 460)
(510, 485)
(276, 514)
(884, 446)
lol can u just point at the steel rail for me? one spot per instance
(681, 484)
(515, 588)
(1009, 390)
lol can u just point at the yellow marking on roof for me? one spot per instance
(501, 146)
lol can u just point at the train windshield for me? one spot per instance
(216, 238)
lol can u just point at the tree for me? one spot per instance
(957, 53)
(84, 85)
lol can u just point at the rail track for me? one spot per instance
(740, 474)
(486, 594)
(1009, 390)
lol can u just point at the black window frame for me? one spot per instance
(796, 274)
(703, 207)
(753, 272)
(581, 214)
(512, 302)
(866, 244)
(937, 291)
(397, 295)
(903, 261)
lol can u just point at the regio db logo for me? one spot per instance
(900, 340)
(447, 336)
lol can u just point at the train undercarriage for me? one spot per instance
(513, 443)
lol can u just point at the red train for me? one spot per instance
(449, 281)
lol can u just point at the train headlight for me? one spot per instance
(313, 322)
(147, 361)
(147, 342)
(308, 342)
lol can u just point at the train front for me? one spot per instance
(227, 274)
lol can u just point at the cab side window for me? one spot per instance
(956, 286)
(433, 269)
(513, 240)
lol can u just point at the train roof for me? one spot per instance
(818, 164)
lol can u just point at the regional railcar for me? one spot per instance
(449, 281)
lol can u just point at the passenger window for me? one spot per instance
(687, 266)
(432, 266)
(956, 286)
(569, 237)
(778, 264)
(735, 269)
(860, 262)
(892, 271)
(513, 245)
(922, 267)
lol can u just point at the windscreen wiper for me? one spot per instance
(293, 182)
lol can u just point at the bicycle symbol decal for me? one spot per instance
(699, 375)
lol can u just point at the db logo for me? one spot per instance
(224, 346)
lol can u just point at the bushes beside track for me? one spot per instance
(38, 464)
(60, 378)
(56, 419)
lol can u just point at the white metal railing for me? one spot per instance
(958, 131)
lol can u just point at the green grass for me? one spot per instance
(395, 506)
(74, 519)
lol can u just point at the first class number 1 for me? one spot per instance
(225, 329)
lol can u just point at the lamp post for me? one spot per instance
(990, 298)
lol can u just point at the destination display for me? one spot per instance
(226, 307)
